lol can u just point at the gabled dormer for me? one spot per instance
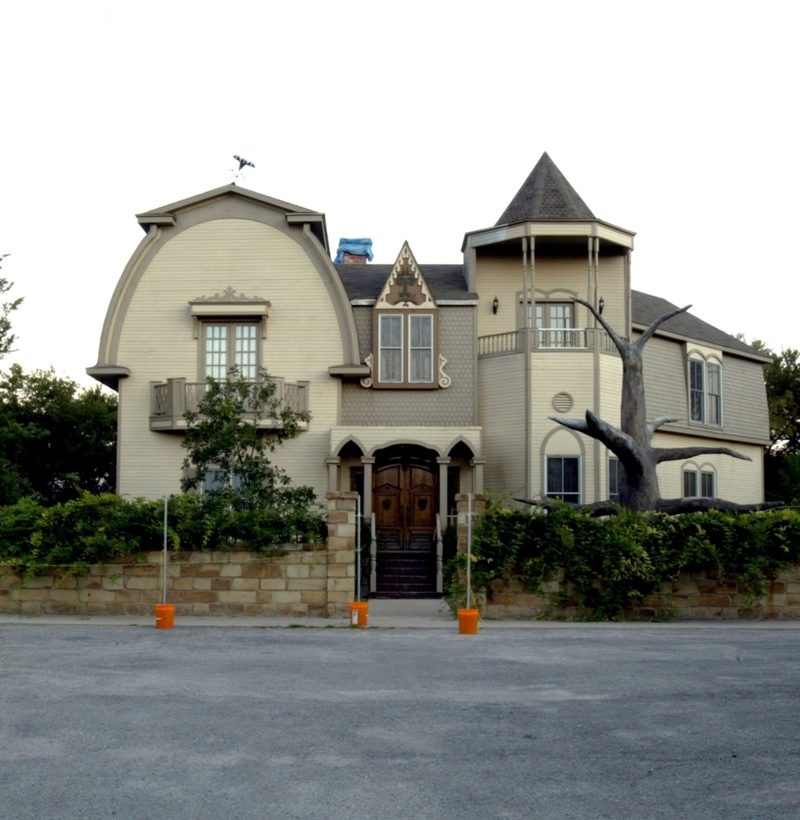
(405, 346)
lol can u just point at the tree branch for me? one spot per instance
(656, 423)
(679, 453)
(673, 506)
(642, 340)
(621, 344)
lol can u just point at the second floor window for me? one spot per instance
(230, 344)
(406, 349)
(705, 392)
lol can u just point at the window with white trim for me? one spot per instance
(230, 344)
(614, 469)
(699, 483)
(405, 350)
(216, 480)
(705, 392)
(564, 478)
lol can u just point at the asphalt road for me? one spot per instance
(615, 721)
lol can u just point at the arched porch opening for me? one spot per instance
(405, 502)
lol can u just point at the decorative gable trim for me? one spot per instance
(406, 287)
(230, 304)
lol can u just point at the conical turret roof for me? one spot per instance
(545, 194)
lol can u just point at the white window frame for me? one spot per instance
(409, 352)
(614, 465)
(233, 357)
(560, 493)
(215, 479)
(700, 479)
(425, 318)
(394, 318)
(705, 406)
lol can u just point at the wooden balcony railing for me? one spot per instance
(568, 338)
(169, 400)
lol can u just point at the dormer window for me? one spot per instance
(406, 349)
(405, 346)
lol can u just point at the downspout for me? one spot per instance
(527, 380)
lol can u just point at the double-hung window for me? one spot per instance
(705, 392)
(699, 483)
(406, 349)
(564, 478)
(230, 344)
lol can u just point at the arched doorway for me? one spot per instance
(405, 499)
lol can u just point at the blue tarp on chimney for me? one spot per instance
(358, 247)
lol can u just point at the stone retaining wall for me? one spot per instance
(308, 580)
(301, 583)
(699, 595)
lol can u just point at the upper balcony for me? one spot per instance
(170, 399)
(547, 339)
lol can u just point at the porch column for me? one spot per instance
(443, 463)
(333, 473)
(366, 508)
(477, 474)
(366, 511)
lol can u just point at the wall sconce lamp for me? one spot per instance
(601, 304)
(495, 305)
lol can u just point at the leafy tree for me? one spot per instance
(224, 439)
(55, 438)
(7, 338)
(782, 462)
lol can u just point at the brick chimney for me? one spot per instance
(353, 252)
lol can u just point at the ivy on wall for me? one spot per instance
(605, 565)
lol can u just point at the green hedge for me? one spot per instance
(96, 529)
(609, 563)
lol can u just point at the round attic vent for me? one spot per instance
(562, 402)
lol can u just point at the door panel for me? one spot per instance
(404, 501)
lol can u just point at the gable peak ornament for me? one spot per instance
(406, 286)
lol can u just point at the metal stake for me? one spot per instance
(358, 550)
(469, 547)
(164, 562)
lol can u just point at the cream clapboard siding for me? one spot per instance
(157, 342)
(554, 372)
(501, 412)
(737, 480)
(610, 398)
(744, 400)
(557, 277)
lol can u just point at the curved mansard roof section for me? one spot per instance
(306, 227)
(545, 194)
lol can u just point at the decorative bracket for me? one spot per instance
(444, 379)
(368, 381)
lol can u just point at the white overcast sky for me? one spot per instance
(410, 120)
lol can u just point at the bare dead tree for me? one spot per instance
(631, 443)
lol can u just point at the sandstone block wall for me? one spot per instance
(308, 580)
(698, 595)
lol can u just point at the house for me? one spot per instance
(422, 380)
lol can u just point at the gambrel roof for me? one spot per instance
(545, 194)
(646, 309)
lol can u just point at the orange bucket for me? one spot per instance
(468, 621)
(165, 616)
(359, 614)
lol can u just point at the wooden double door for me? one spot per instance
(405, 501)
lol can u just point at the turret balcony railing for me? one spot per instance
(171, 399)
(566, 338)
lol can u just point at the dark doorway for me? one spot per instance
(405, 499)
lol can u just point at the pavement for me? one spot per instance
(383, 614)
(525, 721)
